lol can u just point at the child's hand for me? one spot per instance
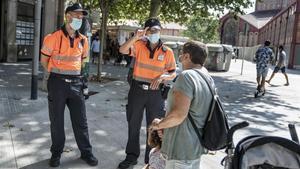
(160, 133)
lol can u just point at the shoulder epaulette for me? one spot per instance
(164, 48)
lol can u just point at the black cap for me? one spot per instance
(76, 7)
(152, 22)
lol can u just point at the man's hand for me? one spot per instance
(154, 125)
(156, 82)
(140, 33)
(124, 49)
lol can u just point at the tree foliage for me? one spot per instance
(203, 29)
(178, 11)
(173, 11)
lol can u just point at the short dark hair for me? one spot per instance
(281, 47)
(152, 22)
(267, 43)
(153, 139)
(198, 51)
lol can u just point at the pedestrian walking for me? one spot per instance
(95, 49)
(189, 95)
(62, 56)
(154, 64)
(280, 66)
(263, 56)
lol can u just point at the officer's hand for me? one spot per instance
(140, 33)
(155, 83)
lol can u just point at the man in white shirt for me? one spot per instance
(95, 48)
(280, 66)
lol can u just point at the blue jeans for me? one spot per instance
(180, 164)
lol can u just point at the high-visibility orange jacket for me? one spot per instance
(150, 65)
(65, 53)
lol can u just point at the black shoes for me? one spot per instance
(90, 160)
(54, 161)
(126, 164)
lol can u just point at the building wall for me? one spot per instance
(229, 31)
(11, 31)
(279, 29)
(17, 26)
(2, 32)
(283, 29)
(251, 36)
(262, 5)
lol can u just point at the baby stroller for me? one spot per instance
(262, 152)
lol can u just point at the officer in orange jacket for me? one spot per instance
(154, 64)
(62, 56)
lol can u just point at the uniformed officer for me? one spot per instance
(154, 64)
(62, 56)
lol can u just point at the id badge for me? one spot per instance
(161, 57)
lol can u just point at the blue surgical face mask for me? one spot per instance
(153, 38)
(76, 23)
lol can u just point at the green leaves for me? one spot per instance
(167, 10)
(204, 29)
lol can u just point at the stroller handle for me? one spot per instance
(233, 129)
(293, 133)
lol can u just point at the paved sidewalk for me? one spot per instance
(24, 129)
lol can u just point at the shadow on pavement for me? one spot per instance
(243, 106)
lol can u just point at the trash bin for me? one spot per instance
(219, 57)
(176, 47)
(228, 51)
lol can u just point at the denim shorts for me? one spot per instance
(277, 68)
(180, 164)
(262, 72)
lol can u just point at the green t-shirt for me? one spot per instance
(181, 142)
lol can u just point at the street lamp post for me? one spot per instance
(246, 38)
(35, 64)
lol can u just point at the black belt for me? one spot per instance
(143, 85)
(67, 78)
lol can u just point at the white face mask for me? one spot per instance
(154, 38)
(76, 23)
(179, 66)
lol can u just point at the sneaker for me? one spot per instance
(126, 164)
(54, 161)
(90, 160)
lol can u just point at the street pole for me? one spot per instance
(35, 64)
(246, 35)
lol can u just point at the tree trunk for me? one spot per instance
(102, 41)
(155, 7)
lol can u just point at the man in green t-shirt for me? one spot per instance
(190, 94)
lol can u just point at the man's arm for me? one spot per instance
(124, 49)
(45, 61)
(178, 113)
(161, 79)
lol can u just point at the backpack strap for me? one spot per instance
(195, 127)
(211, 107)
(211, 88)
